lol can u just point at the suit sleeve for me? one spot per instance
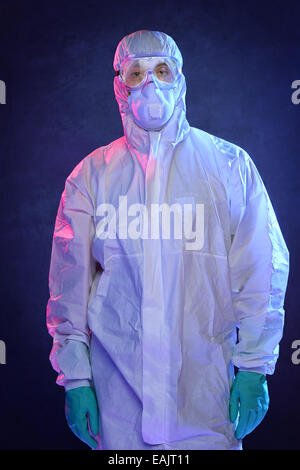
(72, 269)
(259, 266)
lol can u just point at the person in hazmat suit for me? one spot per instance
(168, 269)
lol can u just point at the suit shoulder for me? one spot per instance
(97, 159)
(225, 149)
(92, 165)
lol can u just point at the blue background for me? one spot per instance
(240, 59)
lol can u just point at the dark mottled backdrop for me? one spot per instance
(240, 59)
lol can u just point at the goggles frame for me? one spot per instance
(160, 83)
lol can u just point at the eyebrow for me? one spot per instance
(137, 63)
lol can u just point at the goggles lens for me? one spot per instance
(134, 71)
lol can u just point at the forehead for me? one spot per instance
(147, 62)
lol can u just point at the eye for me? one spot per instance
(163, 71)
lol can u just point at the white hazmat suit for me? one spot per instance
(154, 331)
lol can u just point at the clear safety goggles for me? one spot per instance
(135, 70)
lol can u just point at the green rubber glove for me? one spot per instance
(82, 413)
(250, 398)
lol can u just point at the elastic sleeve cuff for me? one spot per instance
(259, 370)
(70, 384)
